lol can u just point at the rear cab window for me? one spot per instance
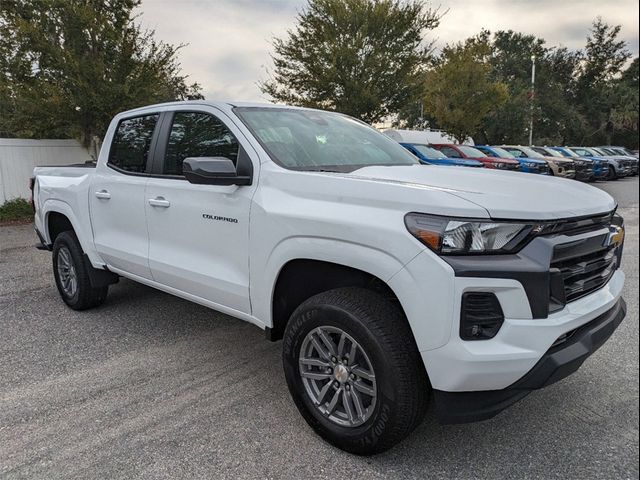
(131, 145)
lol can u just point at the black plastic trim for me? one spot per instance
(98, 277)
(557, 363)
(43, 244)
(531, 266)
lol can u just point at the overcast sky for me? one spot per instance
(229, 40)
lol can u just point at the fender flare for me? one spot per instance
(63, 208)
(357, 256)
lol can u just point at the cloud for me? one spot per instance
(229, 40)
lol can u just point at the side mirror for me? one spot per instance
(213, 171)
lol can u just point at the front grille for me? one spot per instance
(586, 273)
(578, 225)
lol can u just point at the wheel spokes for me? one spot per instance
(315, 362)
(362, 387)
(334, 401)
(357, 402)
(361, 372)
(328, 342)
(316, 375)
(348, 407)
(337, 376)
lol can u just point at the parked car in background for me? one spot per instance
(618, 168)
(600, 165)
(527, 165)
(471, 153)
(627, 157)
(431, 156)
(585, 167)
(560, 167)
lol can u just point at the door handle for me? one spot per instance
(103, 194)
(160, 202)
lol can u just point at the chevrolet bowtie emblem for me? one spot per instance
(615, 237)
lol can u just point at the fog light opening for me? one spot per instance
(481, 316)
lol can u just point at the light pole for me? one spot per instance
(533, 93)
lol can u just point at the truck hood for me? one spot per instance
(503, 194)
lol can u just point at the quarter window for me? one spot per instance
(195, 134)
(132, 142)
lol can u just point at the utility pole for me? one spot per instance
(532, 97)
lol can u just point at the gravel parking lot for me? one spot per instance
(152, 386)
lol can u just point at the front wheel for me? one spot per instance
(612, 175)
(354, 371)
(71, 273)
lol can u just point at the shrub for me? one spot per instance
(15, 210)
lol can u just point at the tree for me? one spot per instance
(359, 57)
(556, 118)
(626, 106)
(459, 91)
(605, 57)
(67, 67)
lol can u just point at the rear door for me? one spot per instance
(199, 234)
(117, 196)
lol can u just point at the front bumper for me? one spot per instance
(564, 172)
(496, 364)
(558, 362)
(584, 173)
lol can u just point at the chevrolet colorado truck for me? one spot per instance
(393, 285)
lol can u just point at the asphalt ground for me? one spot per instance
(152, 386)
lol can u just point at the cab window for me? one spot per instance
(131, 144)
(197, 134)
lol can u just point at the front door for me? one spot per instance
(199, 234)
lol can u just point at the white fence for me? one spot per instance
(18, 157)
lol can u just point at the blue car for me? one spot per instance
(431, 156)
(600, 166)
(527, 165)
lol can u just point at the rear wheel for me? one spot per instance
(354, 371)
(71, 273)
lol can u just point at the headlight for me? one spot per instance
(531, 164)
(455, 236)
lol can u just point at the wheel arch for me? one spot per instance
(301, 278)
(57, 216)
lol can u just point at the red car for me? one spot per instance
(470, 153)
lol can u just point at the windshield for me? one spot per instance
(502, 153)
(602, 153)
(529, 152)
(429, 152)
(567, 153)
(587, 152)
(322, 141)
(470, 151)
(551, 152)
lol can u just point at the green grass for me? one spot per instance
(16, 210)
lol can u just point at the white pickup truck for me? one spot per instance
(392, 284)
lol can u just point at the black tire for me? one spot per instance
(381, 329)
(612, 175)
(84, 296)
